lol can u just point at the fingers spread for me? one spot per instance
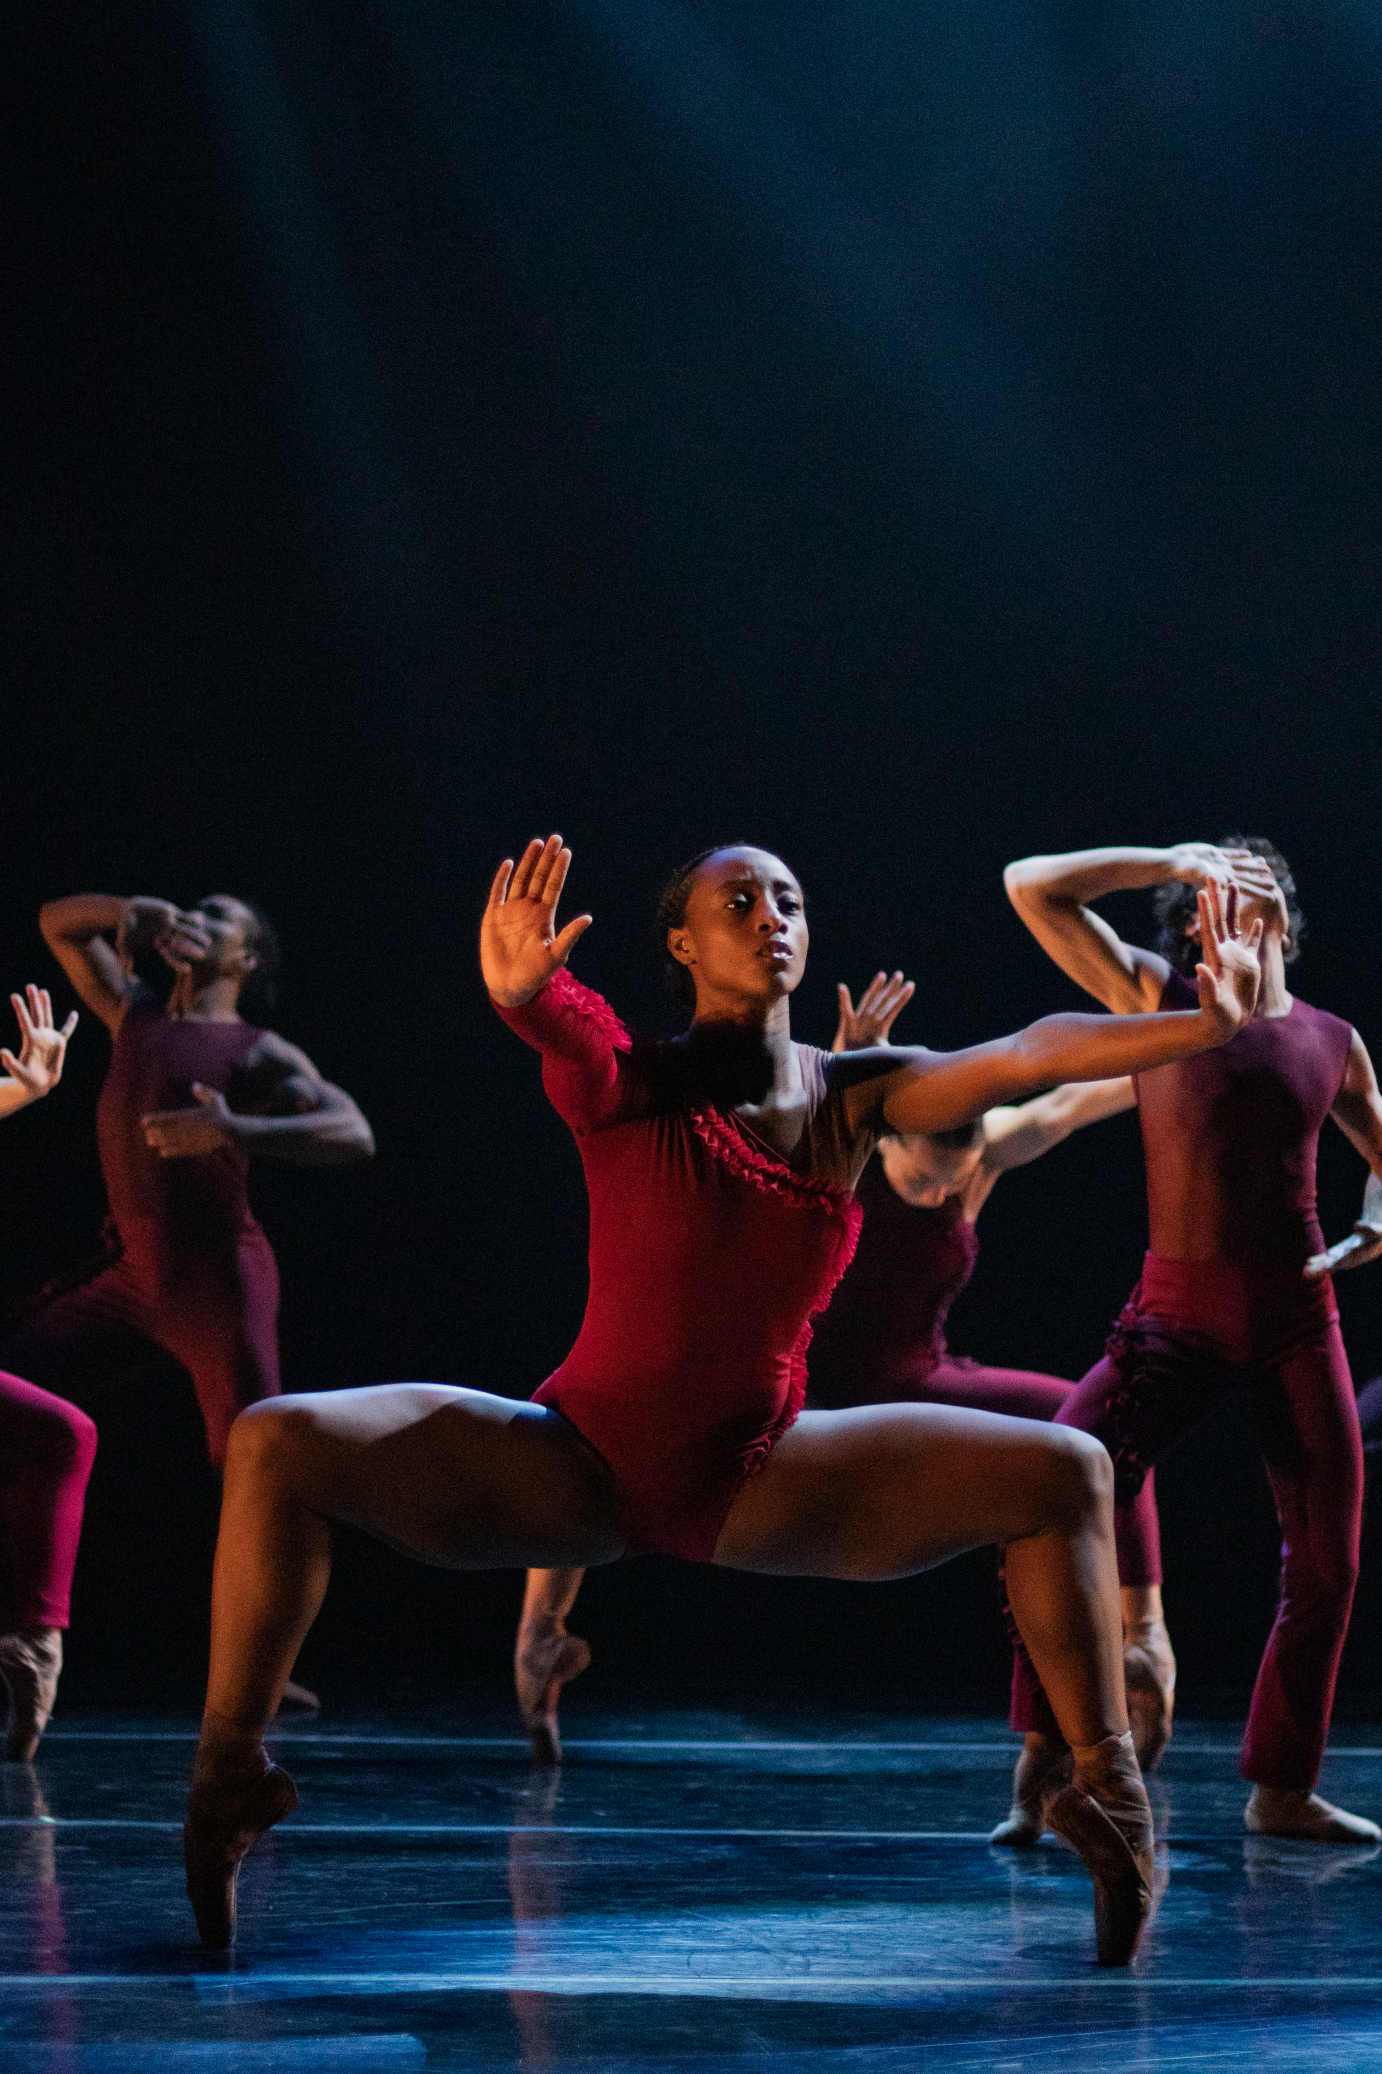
(69, 1026)
(500, 887)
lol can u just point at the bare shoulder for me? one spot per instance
(270, 1051)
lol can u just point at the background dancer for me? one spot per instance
(1231, 1296)
(192, 1093)
(47, 1448)
(882, 1340)
(720, 1170)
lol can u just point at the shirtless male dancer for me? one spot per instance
(192, 1093)
(1234, 1292)
(882, 1340)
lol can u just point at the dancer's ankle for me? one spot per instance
(228, 1746)
(1112, 1761)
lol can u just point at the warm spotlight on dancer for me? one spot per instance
(193, 1092)
(721, 1169)
(1233, 1295)
(882, 1340)
(47, 1448)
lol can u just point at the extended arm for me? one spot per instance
(1015, 1136)
(37, 1068)
(1358, 1112)
(283, 1110)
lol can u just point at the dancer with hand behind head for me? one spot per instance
(47, 1448)
(1235, 1295)
(721, 1169)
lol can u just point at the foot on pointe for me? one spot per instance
(1295, 1811)
(30, 1665)
(227, 1811)
(297, 1699)
(1149, 1706)
(1043, 1766)
(542, 1664)
(1105, 1816)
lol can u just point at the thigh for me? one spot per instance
(1017, 1392)
(456, 1477)
(84, 1343)
(890, 1489)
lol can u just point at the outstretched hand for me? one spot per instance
(1229, 974)
(520, 947)
(38, 1067)
(880, 1004)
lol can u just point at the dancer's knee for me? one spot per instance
(267, 1438)
(1077, 1479)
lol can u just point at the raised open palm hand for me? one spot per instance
(39, 1062)
(880, 1004)
(1229, 974)
(520, 945)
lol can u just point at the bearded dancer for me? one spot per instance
(1235, 1293)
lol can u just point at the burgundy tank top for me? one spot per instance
(1231, 1135)
(887, 1318)
(169, 1206)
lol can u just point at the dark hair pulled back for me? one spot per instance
(1176, 906)
(670, 913)
(259, 994)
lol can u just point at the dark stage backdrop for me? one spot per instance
(903, 435)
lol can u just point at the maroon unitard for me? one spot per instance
(709, 1253)
(197, 1278)
(1230, 1140)
(47, 1448)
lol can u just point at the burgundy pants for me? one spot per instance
(46, 1452)
(1192, 1334)
(215, 1313)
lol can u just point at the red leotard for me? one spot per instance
(1223, 1305)
(197, 1277)
(709, 1253)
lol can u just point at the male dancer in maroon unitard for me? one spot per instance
(47, 1448)
(192, 1092)
(1234, 1293)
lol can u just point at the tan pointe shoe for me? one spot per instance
(30, 1666)
(225, 1816)
(542, 1664)
(1043, 1766)
(1296, 1811)
(1105, 1816)
(1149, 1706)
(297, 1699)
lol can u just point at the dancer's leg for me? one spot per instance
(47, 1448)
(219, 1317)
(893, 1489)
(452, 1476)
(545, 1657)
(1308, 1428)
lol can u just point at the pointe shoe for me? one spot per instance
(1105, 1816)
(542, 1665)
(224, 1818)
(1043, 1767)
(1149, 1706)
(30, 1666)
(1295, 1811)
(297, 1699)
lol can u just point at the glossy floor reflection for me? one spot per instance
(691, 1894)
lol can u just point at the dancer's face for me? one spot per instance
(1260, 898)
(226, 928)
(926, 1174)
(745, 934)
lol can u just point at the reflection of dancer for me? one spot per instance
(882, 1340)
(1234, 1294)
(46, 1452)
(720, 1170)
(192, 1092)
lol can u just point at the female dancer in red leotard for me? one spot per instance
(882, 1340)
(1234, 1292)
(720, 1169)
(46, 1452)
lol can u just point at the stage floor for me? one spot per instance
(691, 1894)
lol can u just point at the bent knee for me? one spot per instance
(1077, 1477)
(269, 1433)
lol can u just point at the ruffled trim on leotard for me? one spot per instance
(773, 1176)
(562, 991)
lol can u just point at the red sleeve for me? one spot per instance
(583, 1044)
